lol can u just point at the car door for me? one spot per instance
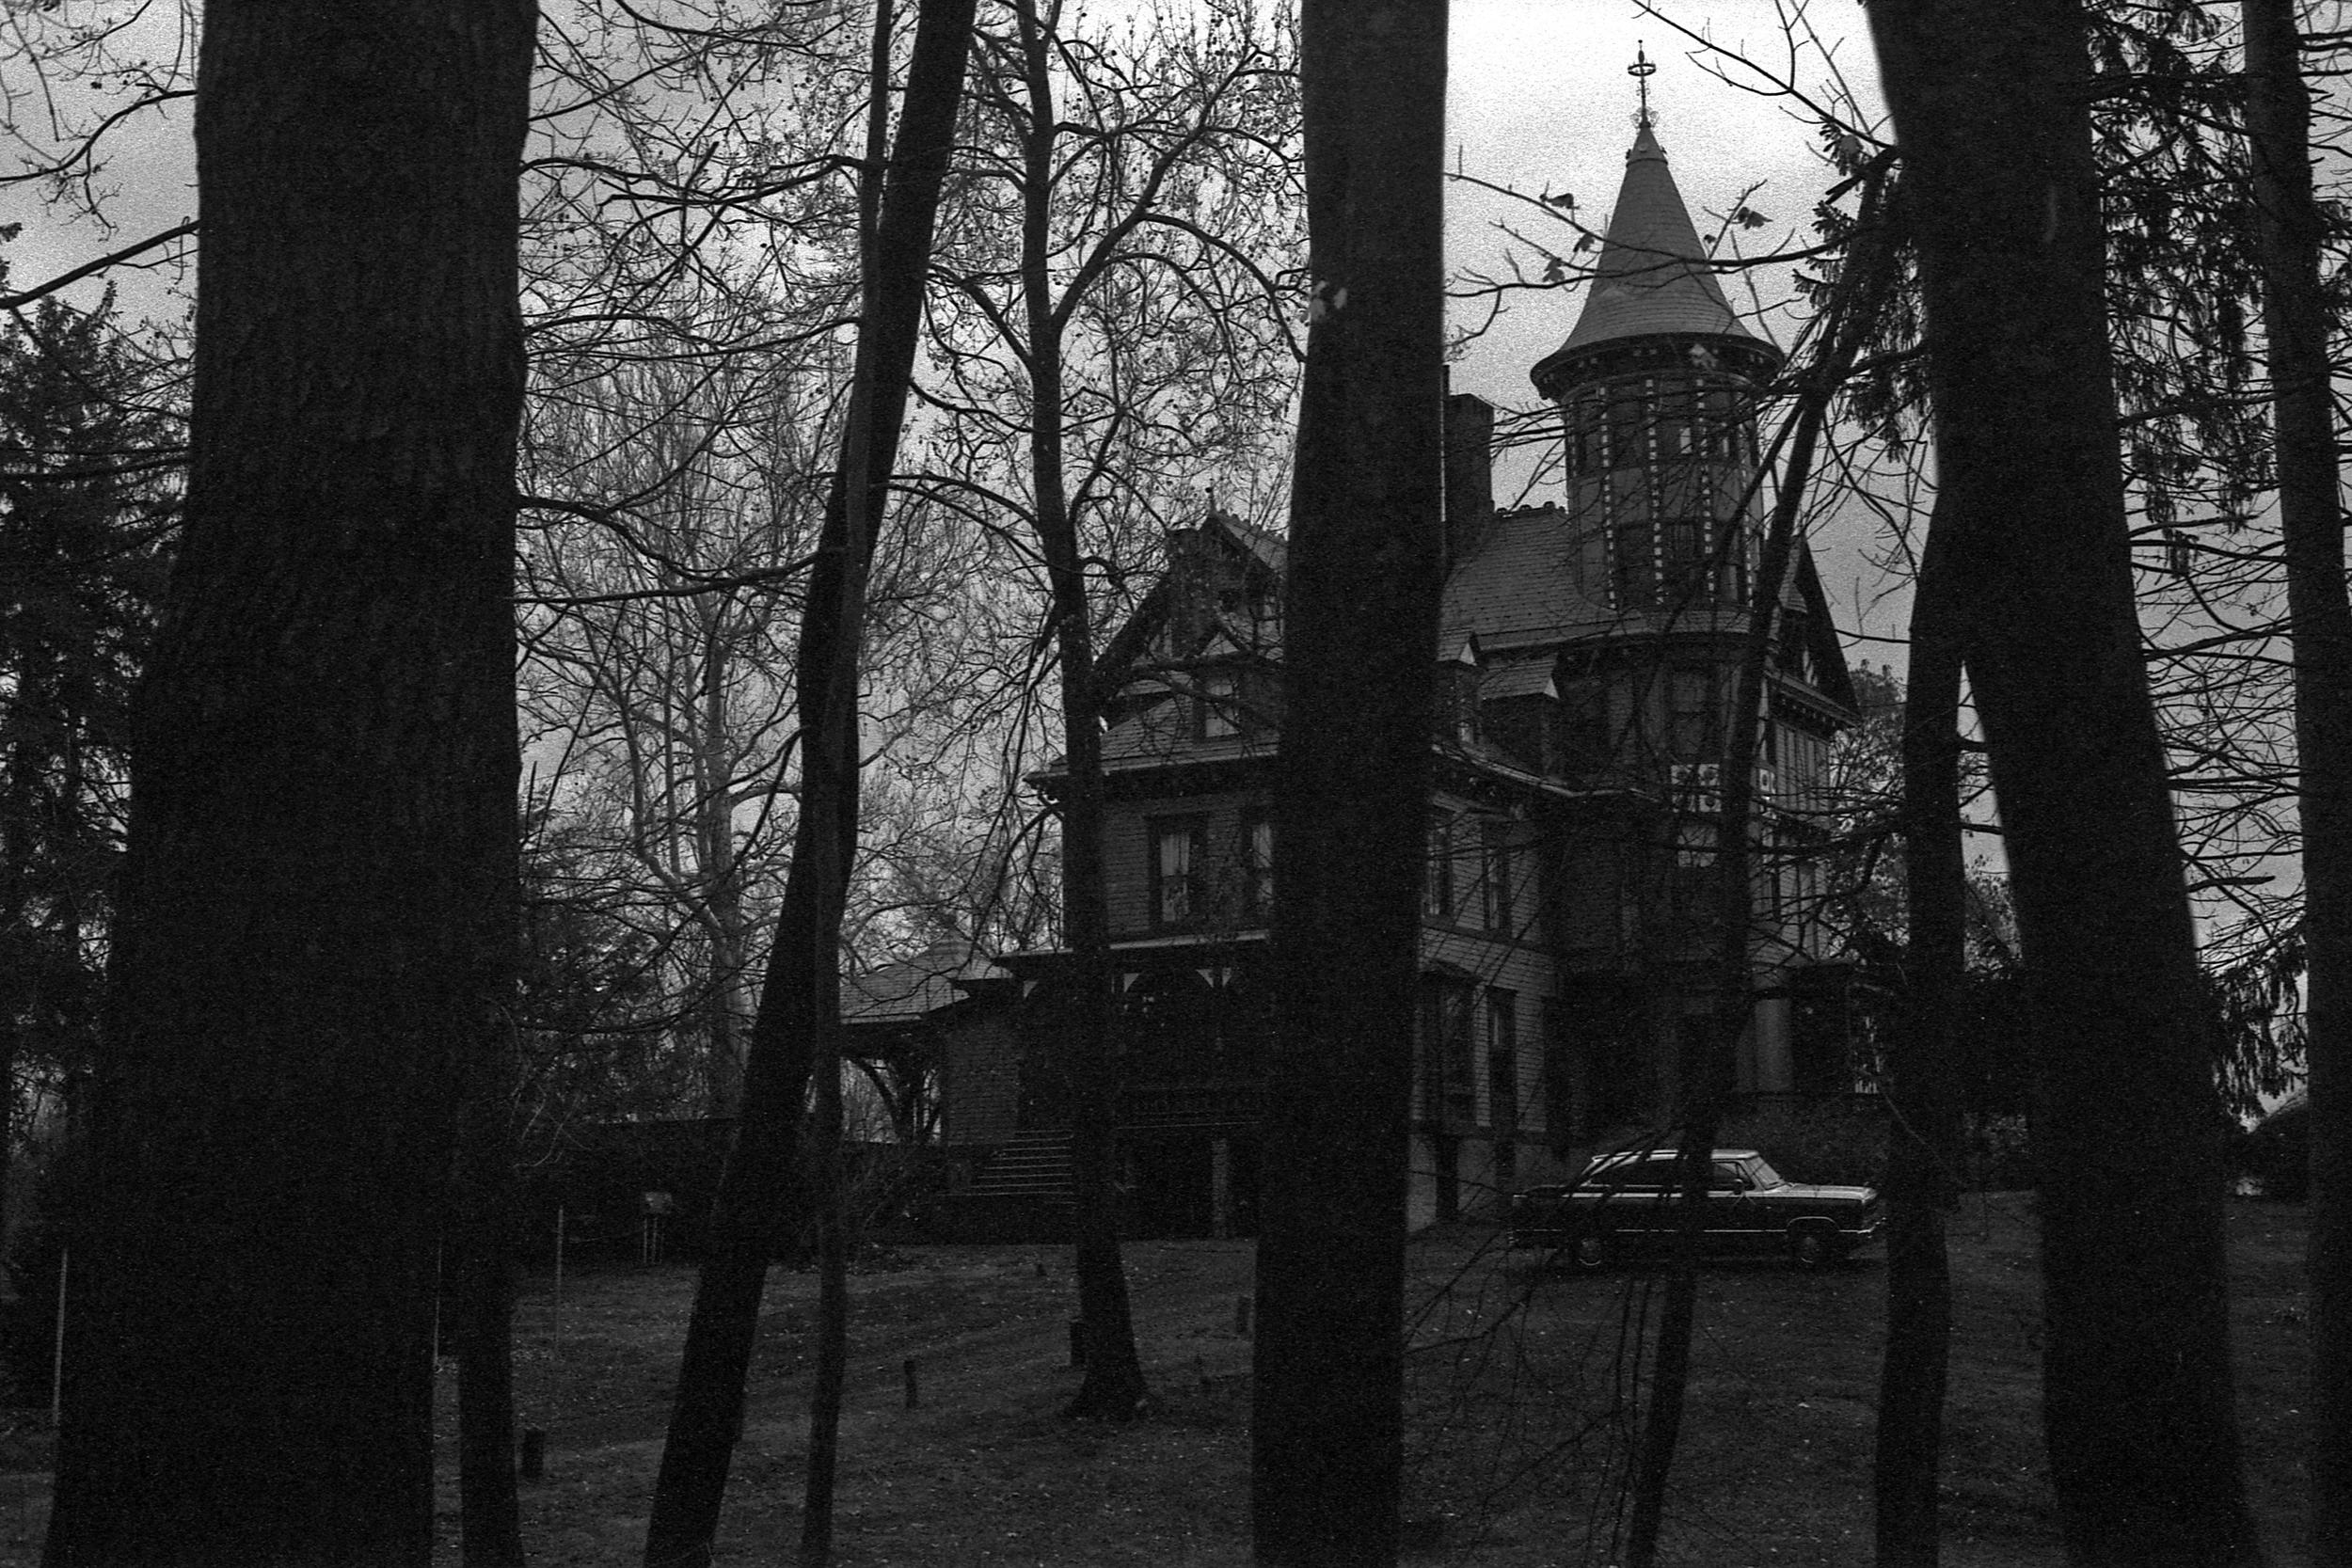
(1626, 1196)
(1731, 1221)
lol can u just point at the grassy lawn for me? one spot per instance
(1521, 1399)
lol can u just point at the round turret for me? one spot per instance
(1656, 387)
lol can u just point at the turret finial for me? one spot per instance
(1641, 70)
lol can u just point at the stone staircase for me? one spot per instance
(1022, 1193)
(1034, 1166)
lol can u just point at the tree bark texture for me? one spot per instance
(801, 994)
(1352, 791)
(318, 909)
(480, 1264)
(1922, 1180)
(1991, 108)
(833, 1316)
(2295, 326)
(1113, 1385)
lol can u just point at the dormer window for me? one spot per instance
(1218, 705)
(1457, 695)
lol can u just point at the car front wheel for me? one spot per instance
(1812, 1247)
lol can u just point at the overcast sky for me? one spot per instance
(1540, 99)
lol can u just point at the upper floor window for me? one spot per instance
(1633, 562)
(1257, 865)
(1630, 407)
(1693, 715)
(1436, 891)
(1175, 883)
(1584, 433)
(1498, 878)
(1687, 562)
(1804, 767)
(1681, 428)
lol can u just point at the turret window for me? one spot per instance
(1720, 423)
(1628, 409)
(1686, 571)
(1681, 424)
(1584, 433)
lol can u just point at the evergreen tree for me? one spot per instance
(87, 491)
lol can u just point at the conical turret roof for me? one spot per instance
(1653, 275)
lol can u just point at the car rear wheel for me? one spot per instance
(1811, 1247)
(1589, 1253)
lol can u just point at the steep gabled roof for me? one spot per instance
(1266, 553)
(1520, 586)
(1821, 628)
(1653, 276)
(1272, 550)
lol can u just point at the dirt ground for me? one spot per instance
(1520, 1398)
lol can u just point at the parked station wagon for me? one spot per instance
(1627, 1202)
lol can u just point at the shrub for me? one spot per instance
(2274, 1151)
(1840, 1141)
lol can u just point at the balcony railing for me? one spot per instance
(1202, 1103)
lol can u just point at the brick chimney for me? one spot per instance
(1469, 475)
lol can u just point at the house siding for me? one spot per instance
(1127, 848)
(980, 1084)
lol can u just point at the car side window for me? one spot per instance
(1728, 1177)
(1658, 1173)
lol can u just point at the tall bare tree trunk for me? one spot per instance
(2294, 324)
(1991, 104)
(1923, 1155)
(838, 750)
(317, 925)
(1708, 1081)
(798, 1005)
(1113, 1384)
(1352, 790)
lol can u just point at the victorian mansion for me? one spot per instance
(1588, 657)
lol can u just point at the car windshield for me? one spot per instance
(1764, 1175)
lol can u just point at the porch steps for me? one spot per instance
(1034, 1166)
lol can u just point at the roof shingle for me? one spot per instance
(1653, 275)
